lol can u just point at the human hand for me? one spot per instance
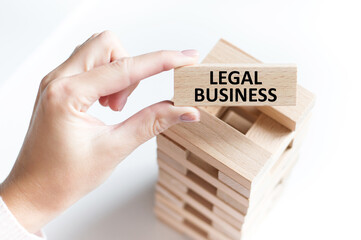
(66, 152)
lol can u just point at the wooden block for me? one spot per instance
(202, 205)
(179, 226)
(173, 149)
(271, 135)
(231, 235)
(235, 84)
(169, 212)
(193, 216)
(196, 163)
(250, 113)
(221, 146)
(289, 116)
(232, 201)
(228, 218)
(209, 175)
(199, 188)
(176, 184)
(233, 184)
(292, 116)
(237, 121)
(171, 197)
(174, 163)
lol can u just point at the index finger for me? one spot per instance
(118, 75)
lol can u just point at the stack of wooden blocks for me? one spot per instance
(217, 178)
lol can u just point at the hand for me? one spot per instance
(66, 152)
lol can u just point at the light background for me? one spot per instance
(322, 199)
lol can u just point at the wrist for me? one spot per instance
(28, 204)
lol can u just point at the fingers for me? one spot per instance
(153, 120)
(99, 49)
(116, 101)
(121, 74)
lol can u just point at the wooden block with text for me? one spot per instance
(235, 85)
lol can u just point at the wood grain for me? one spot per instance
(206, 78)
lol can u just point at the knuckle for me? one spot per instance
(124, 66)
(56, 91)
(158, 126)
(107, 36)
(167, 61)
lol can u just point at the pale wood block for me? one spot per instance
(292, 116)
(235, 84)
(201, 189)
(202, 205)
(215, 110)
(180, 227)
(237, 121)
(232, 201)
(171, 197)
(171, 148)
(233, 184)
(289, 116)
(176, 184)
(228, 218)
(169, 212)
(193, 217)
(222, 146)
(271, 135)
(251, 113)
(209, 174)
(200, 163)
(231, 235)
(174, 163)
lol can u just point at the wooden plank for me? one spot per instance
(198, 203)
(234, 236)
(211, 178)
(235, 84)
(174, 163)
(233, 184)
(289, 116)
(271, 135)
(171, 197)
(169, 212)
(210, 196)
(232, 201)
(221, 146)
(190, 215)
(228, 218)
(179, 226)
(176, 184)
(237, 121)
(292, 116)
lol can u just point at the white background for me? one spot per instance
(322, 199)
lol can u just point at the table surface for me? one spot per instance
(322, 198)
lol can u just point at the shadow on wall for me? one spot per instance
(133, 219)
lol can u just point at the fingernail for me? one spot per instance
(106, 102)
(190, 53)
(189, 117)
(122, 104)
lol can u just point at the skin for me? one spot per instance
(68, 153)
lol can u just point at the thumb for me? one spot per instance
(153, 120)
